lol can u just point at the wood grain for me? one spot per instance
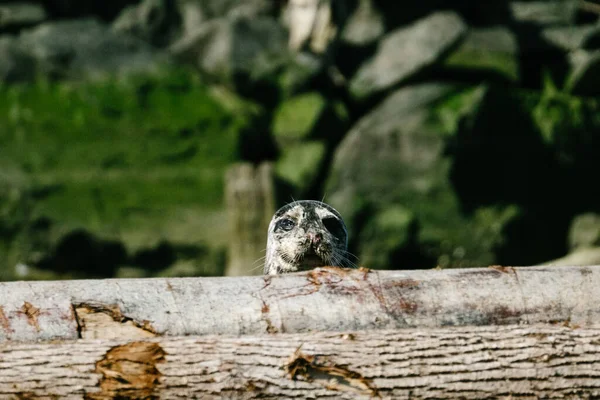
(324, 299)
(455, 362)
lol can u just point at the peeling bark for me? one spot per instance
(454, 362)
(324, 299)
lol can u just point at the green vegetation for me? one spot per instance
(297, 117)
(133, 159)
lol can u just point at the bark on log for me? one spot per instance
(324, 299)
(456, 362)
(250, 199)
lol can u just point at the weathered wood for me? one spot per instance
(250, 200)
(324, 299)
(457, 362)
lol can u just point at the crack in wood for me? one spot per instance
(129, 371)
(32, 313)
(318, 369)
(4, 322)
(104, 321)
(265, 317)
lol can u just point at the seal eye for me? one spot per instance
(285, 224)
(334, 226)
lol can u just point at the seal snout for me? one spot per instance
(314, 238)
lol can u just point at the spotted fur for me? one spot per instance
(304, 235)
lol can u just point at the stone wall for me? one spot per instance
(450, 134)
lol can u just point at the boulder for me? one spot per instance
(584, 76)
(406, 51)
(15, 63)
(364, 26)
(162, 22)
(569, 38)
(306, 127)
(154, 21)
(300, 164)
(584, 242)
(313, 24)
(396, 156)
(585, 231)
(490, 51)
(15, 16)
(87, 48)
(226, 47)
(543, 13)
(297, 118)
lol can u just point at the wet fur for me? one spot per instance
(291, 251)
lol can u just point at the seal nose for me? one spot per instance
(314, 237)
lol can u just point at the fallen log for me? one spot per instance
(455, 362)
(324, 299)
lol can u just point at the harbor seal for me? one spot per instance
(304, 235)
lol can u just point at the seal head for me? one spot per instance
(304, 235)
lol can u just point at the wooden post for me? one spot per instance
(250, 201)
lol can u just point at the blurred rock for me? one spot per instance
(154, 21)
(227, 47)
(313, 24)
(298, 117)
(300, 164)
(584, 77)
(585, 231)
(556, 12)
(297, 72)
(16, 64)
(364, 26)
(570, 38)
(210, 9)
(87, 48)
(306, 128)
(385, 235)
(583, 256)
(491, 51)
(18, 15)
(396, 156)
(406, 52)
(584, 242)
(105, 10)
(162, 22)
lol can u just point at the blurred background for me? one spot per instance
(157, 137)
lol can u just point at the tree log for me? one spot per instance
(454, 362)
(324, 299)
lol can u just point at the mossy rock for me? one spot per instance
(414, 151)
(386, 233)
(132, 160)
(296, 118)
(300, 165)
(492, 52)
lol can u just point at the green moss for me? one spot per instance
(121, 155)
(295, 118)
(506, 65)
(451, 110)
(300, 164)
(558, 113)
